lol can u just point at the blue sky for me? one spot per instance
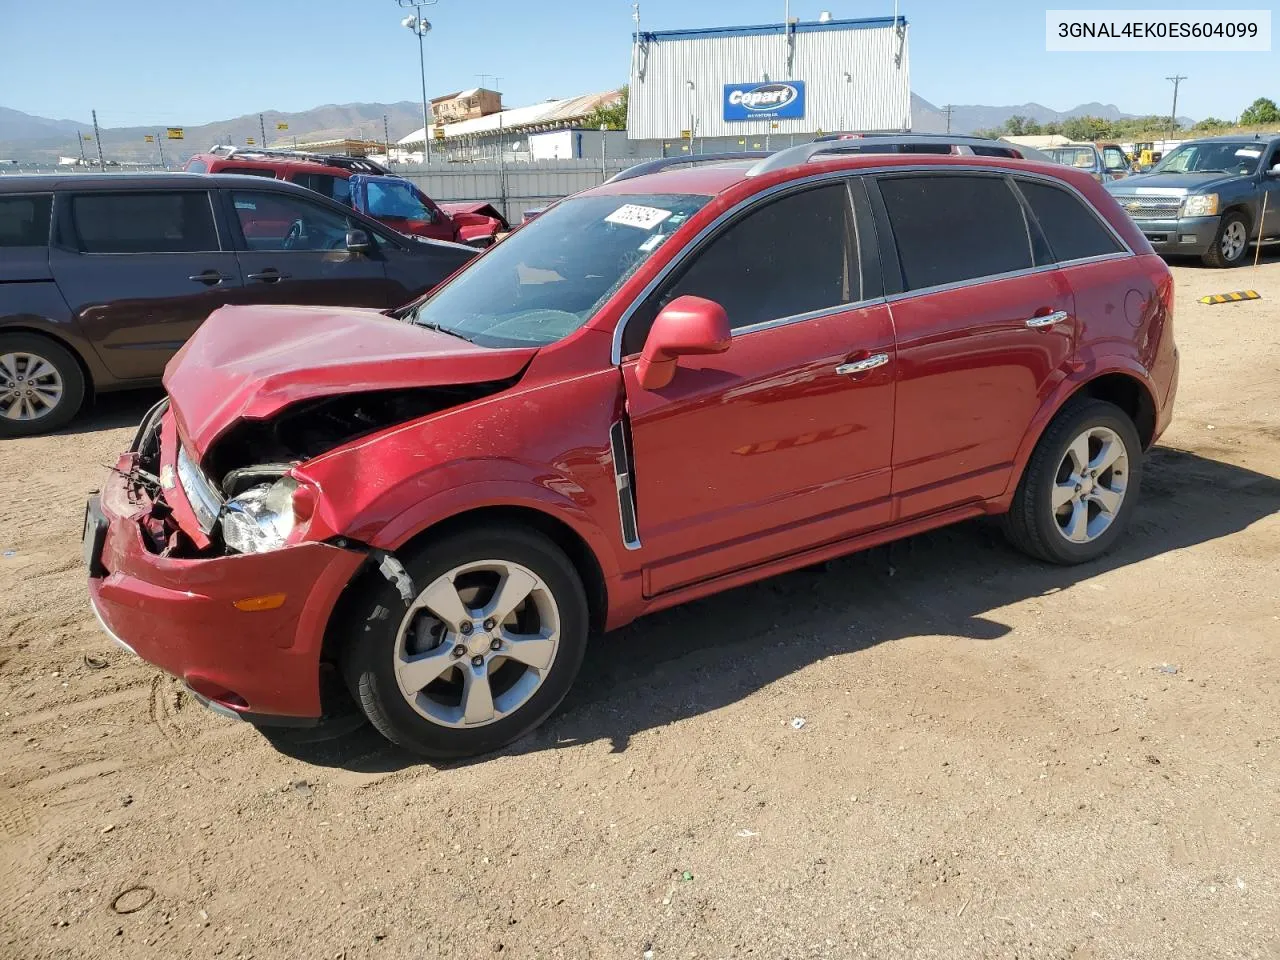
(166, 62)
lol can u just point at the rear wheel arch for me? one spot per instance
(86, 370)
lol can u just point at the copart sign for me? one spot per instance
(764, 101)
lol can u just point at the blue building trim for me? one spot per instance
(767, 29)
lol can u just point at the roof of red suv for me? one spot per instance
(714, 178)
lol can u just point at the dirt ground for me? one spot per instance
(997, 759)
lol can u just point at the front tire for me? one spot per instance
(1080, 487)
(41, 385)
(486, 650)
(1231, 244)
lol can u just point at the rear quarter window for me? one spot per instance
(24, 221)
(949, 229)
(1072, 228)
(197, 166)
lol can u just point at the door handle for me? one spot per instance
(269, 275)
(210, 277)
(1048, 320)
(862, 366)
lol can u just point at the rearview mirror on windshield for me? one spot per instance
(687, 326)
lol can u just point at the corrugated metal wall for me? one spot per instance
(530, 184)
(876, 95)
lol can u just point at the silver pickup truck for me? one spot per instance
(1210, 198)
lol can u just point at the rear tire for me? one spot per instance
(41, 385)
(402, 661)
(1231, 243)
(1080, 487)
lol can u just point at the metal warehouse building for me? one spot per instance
(735, 87)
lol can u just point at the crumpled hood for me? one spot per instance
(250, 362)
(1155, 184)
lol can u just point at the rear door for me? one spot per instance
(782, 442)
(141, 270)
(985, 327)
(294, 250)
(401, 206)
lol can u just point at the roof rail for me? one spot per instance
(653, 166)
(867, 143)
(360, 164)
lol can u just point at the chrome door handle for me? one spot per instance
(862, 366)
(1048, 320)
(210, 277)
(269, 275)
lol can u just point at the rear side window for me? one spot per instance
(177, 222)
(335, 188)
(1072, 229)
(954, 228)
(983, 151)
(791, 256)
(24, 221)
(197, 166)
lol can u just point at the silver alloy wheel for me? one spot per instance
(477, 643)
(1233, 240)
(1090, 485)
(30, 386)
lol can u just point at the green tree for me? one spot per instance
(1015, 125)
(1053, 128)
(611, 116)
(1086, 128)
(1263, 110)
(1032, 128)
(1211, 123)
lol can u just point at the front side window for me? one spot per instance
(274, 221)
(175, 222)
(1072, 229)
(790, 256)
(1240, 158)
(24, 221)
(1113, 159)
(950, 229)
(549, 277)
(396, 199)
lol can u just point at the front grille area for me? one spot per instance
(1151, 208)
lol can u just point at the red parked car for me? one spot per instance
(366, 186)
(661, 388)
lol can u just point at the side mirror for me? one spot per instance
(358, 242)
(1274, 171)
(686, 327)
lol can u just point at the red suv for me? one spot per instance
(669, 385)
(366, 186)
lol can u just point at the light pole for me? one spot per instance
(419, 24)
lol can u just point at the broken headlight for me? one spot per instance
(261, 518)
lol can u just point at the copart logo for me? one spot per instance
(767, 97)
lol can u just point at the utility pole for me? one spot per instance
(160, 147)
(502, 157)
(262, 128)
(386, 137)
(80, 140)
(604, 149)
(421, 26)
(97, 138)
(1173, 114)
(946, 112)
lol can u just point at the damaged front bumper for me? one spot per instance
(244, 632)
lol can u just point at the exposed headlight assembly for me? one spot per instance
(1200, 205)
(261, 518)
(203, 498)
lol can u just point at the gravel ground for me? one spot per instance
(997, 758)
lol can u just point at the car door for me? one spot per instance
(984, 326)
(783, 441)
(293, 249)
(401, 206)
(141, 270)
(1270, 182)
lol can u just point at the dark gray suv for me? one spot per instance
(104, 276)
(1205, 198)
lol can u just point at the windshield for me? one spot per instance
(1081, 157)
(1241, 158)
(549, 277)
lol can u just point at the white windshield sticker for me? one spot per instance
(635, 215)
(1248, 152)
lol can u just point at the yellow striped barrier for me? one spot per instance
(1234, 297)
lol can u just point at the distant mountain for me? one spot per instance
(16, 125)
(28, 138)
(966, 118)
